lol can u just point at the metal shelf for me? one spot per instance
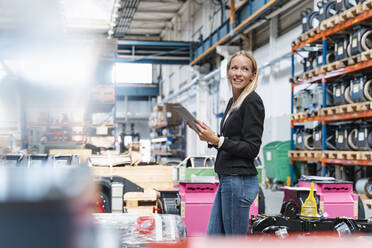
(342, 26)
(335, 161)
(309, 81)
(347, 161)
(310, 119)
(323, 77)
(337, 117)
(348, 69)
(348, 116)
(306, 159)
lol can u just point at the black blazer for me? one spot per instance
(242, 132)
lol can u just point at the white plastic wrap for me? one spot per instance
(137, 229)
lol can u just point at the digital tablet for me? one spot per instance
(186, 116)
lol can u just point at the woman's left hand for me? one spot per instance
(206, 134)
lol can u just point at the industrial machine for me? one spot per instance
(283, 226)
(334, 198)
(310, 19)
(345, 136)
(360, 88)
(317, 137)
(308, 61)
(339, 93)
(302, 100)
(138, 230)
(340, 210)
(342, 5)
(316, 94)
(305, 20)
(341, 46)
(303, 138)
(360, 39)
(327, 9)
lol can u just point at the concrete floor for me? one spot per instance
(274, 199)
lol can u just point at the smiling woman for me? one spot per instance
(238, 144)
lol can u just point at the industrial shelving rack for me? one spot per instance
(167, 130)
(168, 152)
(358, 14)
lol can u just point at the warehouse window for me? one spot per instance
(132, 73)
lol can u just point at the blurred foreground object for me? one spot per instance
(136, 229)
(44, 207)
(320, 240)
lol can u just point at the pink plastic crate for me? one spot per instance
(336, 199)
(196, 203)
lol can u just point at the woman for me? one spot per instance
(238, 145)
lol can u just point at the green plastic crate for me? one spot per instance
(277, 162)
(182, 173)
(269, 157)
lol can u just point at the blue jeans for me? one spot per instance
(230, 210)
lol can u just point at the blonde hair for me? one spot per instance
(251, 86)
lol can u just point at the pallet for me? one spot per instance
(316, 112)
(330, 67)
(297, 78)
(303, 115)
(328, 111)
(368, 203)
(364, 155)
(366, 200)
(299, 116)
(359, 106)
(309, 33)
(329, 23)
(345, 15)
(354, 11)
(312, 73)
(349, 155)
(145, 210)
(314, 31)
(139, 199)
(365, 56)
(146, 177)
(304, 36)
(330, 154)
(367, 5)
(305, 154)
(346, 108)
(344, 62)
(353, 60)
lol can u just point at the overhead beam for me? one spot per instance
(248, 13)
(160, 11)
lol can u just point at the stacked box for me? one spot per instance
(172, 117)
